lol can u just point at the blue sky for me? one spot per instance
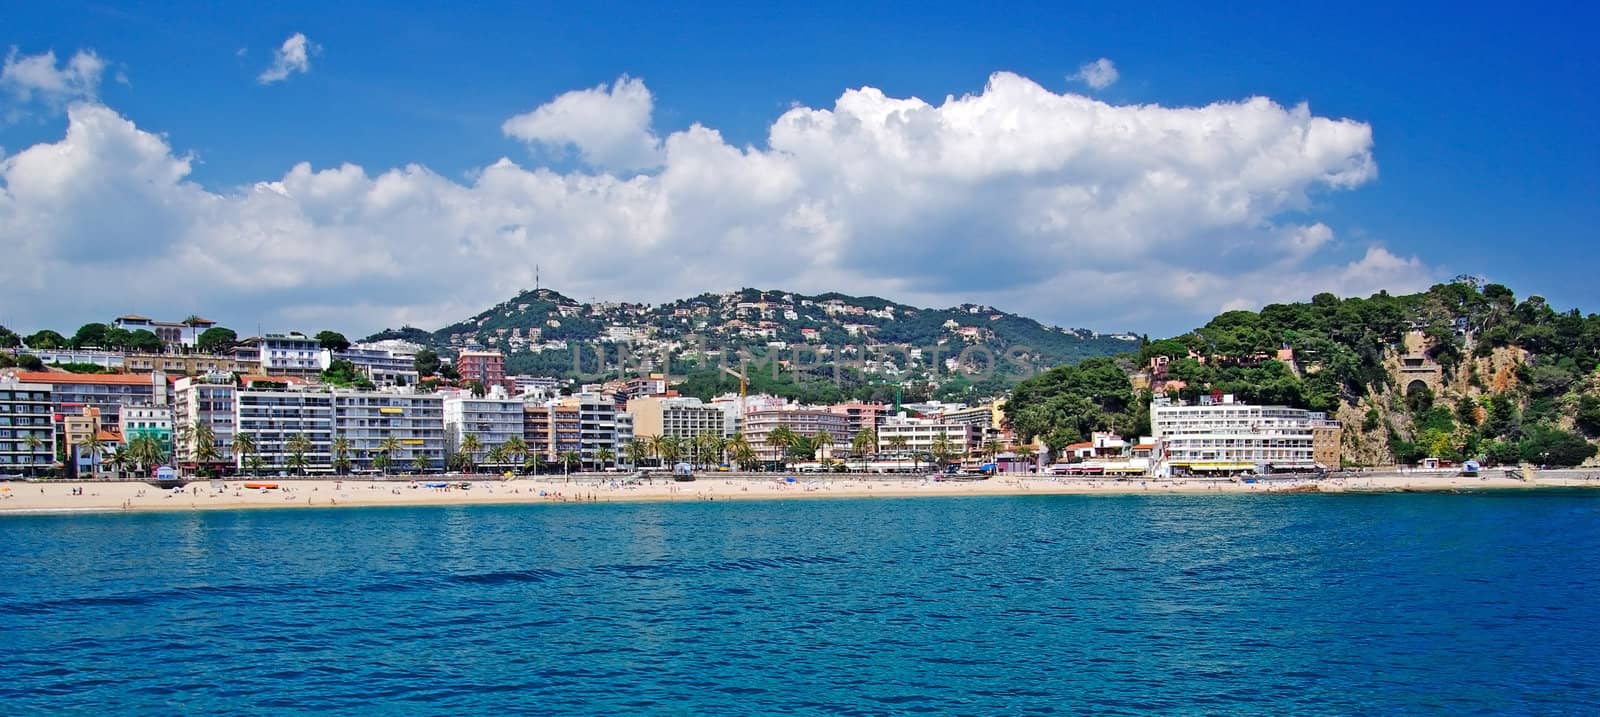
(1483, 131)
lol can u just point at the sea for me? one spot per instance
(1484, 603)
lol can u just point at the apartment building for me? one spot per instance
(384, 366)
(290, 354)
(551, 430)
(1327, 441)
(208, 400)
(597, 425)
(275, 417)
(485, 367)
(27, 433)
(922, 434)
(369, 419)
(73, 394)
(758, 424)
(1224, 436)
(141, 421)
(493, 419)
(859, 416)
(680, 417)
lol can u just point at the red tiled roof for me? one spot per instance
(104, 379)
(247, 380)
(1085, 444)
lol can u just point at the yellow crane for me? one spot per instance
(744, 384)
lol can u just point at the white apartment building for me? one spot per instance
(153, 421)
(597, 425)
(27, 433)
(209, 400)
(1228, 437)
(494, 419)
(274, 417)
(293, 354)
(921, 434)
(385, 367)
(368, 419)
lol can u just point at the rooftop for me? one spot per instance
(102, 379)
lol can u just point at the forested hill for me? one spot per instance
(1459, 371)
(536, 329)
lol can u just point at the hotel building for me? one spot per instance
(369, 418)
(759, 424)
(493, 419)
(679, 417)
(1223, 436)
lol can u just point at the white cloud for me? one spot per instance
(293, 56)
(30, 79)
(1061, 206)
(609, 127)
(1100, 74)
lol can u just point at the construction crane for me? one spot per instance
(744, 384)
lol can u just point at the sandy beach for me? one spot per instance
(52, 497)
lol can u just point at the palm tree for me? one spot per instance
(783, 439)
(470, 445)
(567, 459)
(515, 449)
(669, 449)
(743, 454)
(943, 449)
(146, 452)
(419, 461)
(708, 449)
(656, 444)
(386, 450)
(244, 448)
(821, 441)
(865, 442)
(603, 456)
(341, 454)
(898, 444)
(637, 450)
(533, 462)
(299, 445)
(256, 463)
(92, 444)
(496, 455)
(124, 461)
(205, 445)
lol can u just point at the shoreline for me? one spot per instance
(67, 498)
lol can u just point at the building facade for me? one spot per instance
(186, 364)
(1224, 436)
(759, 424)
(494, 419)
(73, 394)
(922, 434)
(485, 367)
(146, 421)
(597, 426)
(1327, 441)
(209, 401)
(291, 354)
(27, 433)
(385, 367)
(679, 417)
(276, 420)
(412, 424)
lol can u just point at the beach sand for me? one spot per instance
(49, 497)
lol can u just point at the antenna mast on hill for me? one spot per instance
(536, 277)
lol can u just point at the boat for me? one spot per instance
(262, 486)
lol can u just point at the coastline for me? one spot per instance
(56, 498)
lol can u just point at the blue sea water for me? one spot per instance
(1388, 604)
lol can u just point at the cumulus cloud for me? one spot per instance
(609, 127)
(29, 79)
(291, 57)
(1061, 206)
(1100, 74)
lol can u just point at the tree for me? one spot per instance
(567, 459)
(386, 450)
(46, 340)
(92, 445)
(943, 449)
(420, 462)
(147, 452)
(341, 455)
(495, 455)
(603, 456)
(298, 445)
(783, 439)
(90, 336)
(897, 444)
(426, 362)
(636, 451)
(216, 340)
(145, 341)
(9, 339)
(708, 449)
(205, 444)
(863, 444)
(333, 341)
(515, 450)
(1026, 453)
(533, 462)
(1546, 445)
(471, 446)
(742, 453)
(244, 448)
